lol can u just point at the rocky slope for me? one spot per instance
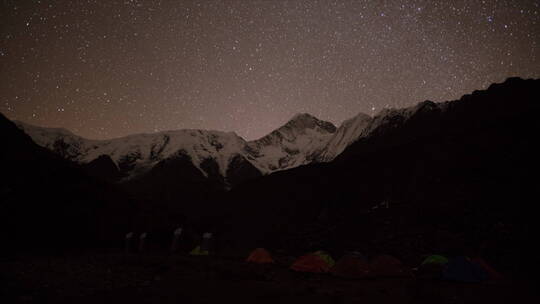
(50, 202)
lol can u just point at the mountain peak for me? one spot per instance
(303, 116)
(302, 121)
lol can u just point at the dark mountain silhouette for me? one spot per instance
(49, 202)
(103, 168)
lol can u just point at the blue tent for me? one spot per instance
(462, 269)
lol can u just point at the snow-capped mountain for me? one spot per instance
(302, 140)
(136, 154)
(292, 144)
(285, 147)
(349, 131)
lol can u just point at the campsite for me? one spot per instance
(257, 277)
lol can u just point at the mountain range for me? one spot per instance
(457, 177)
(222, 157)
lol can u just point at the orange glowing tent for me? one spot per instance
(260, 256)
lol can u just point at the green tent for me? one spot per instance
(435, 260)
(326, 257)
(198, 251)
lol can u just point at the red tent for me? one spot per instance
(493, 274)
(260, 256)
(310, 263)
(388, 266)
(351, 267)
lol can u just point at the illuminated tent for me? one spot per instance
(198, 251)
(311, 263)
(432, 267)
(435, 259)
(325, 256)
(260, 256)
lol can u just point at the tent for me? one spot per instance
(352, 267)
(260, 256)
(435, 259)
(311, 263)
(432, 267)
(491, 272)
(325, 256)
(462, 269)
(388, 266)
(197, 251)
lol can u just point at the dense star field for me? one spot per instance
(111, 68)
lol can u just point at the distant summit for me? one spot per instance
(303, 121)
(291, 144)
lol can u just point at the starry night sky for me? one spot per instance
(106, 69)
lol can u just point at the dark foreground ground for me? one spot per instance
(165, 278)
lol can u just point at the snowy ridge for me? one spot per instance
(349, 131)
(290, 145)
(142, 151)
(393, 118)
(284, 148)
(302, 140)
(59, 140)
(363, 126)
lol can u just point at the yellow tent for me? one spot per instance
(198, 251)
